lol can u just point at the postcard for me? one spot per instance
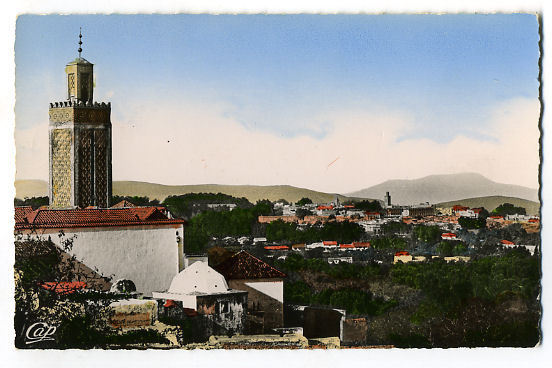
(277, 181)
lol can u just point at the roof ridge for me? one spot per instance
(260, 260)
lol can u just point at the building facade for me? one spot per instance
(264, 285)
(140, 244)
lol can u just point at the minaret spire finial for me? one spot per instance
(80, 41)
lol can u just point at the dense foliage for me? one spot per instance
(295, 262)
(472, 223)
(342, 232)
(388, 243)
(370, 206)
(508, 209)
(428, 234)
(237, 222)
(187, 205)
(303, 201)
(394, 228)
(490, 301)
(34, 202)
(353, 300)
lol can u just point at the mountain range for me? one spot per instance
(444, 188)
(37, 188)
(469, 189)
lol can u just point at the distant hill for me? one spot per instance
(443, 188)
(490, 203)
(35, 188)
(30, 188)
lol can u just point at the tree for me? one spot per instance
(428, 234)
(367, 205)
(508, 209)
(303, 201)
(472, 223)
(302, 212)
(34, 202)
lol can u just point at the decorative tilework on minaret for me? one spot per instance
(80, 142)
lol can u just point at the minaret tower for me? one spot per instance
(80, 142)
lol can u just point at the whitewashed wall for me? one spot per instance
(148, 255)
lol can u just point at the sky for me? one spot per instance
(334, 103)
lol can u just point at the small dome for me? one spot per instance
(198, 277)
(123, 286)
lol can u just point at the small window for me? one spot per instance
(223, 307)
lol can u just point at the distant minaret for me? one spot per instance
(80, 142)
(387, 199)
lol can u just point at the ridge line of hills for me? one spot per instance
(436, 189)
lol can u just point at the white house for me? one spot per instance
(140, 244)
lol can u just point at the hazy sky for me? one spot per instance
(332, 103)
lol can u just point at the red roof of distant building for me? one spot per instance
(402, 253)
(276, 247)
(534, 220)
(346, 246)
(459, 208)
(372, 213)
(93, 217)
(361, 244)
(448, 235)
(348, 206)
(477, 210)
(243, 265)
(63, 287)
(325, 207)
(497, 217)
(507, 242)
(329, 242)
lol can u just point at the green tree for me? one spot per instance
(508, 209)
(367, 205)
(428, 234)
(303, 201)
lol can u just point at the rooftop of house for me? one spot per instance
(27, 218)
(243, 266)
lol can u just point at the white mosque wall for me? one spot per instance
(150, 256)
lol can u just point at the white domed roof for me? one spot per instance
(198, 277)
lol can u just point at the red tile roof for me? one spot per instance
(361, 244)
(402, 253)
(507, 242)
(21, 212)
(329, 242)
(346, 246)
(276, 247)
(243, 266)
(92, 217)
(324, 207)
(63, 287)
(448, 235)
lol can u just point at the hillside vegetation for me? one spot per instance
(492, 202)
